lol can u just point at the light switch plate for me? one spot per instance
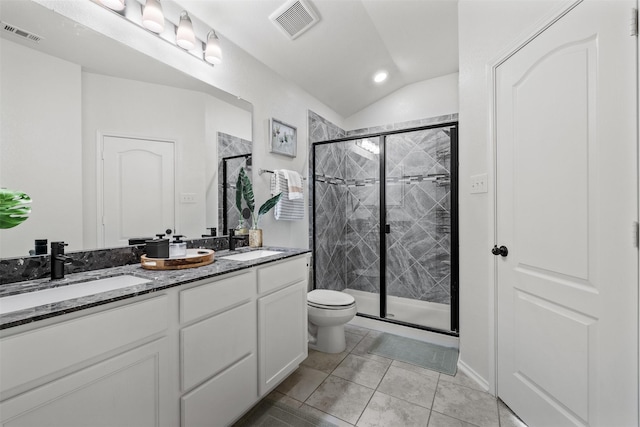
(188, 198)
(479, 183)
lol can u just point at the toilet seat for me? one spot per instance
(330, 300)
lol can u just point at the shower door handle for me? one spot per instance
(502, 251)
(387, 228)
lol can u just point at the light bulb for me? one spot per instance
(113, 4)
(213, 53)
(185, 38)
(152, 17)
(380, 76)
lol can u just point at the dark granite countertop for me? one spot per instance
(159, 280)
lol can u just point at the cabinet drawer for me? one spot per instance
(215, 343)
(38, 353)
(275, 276)
(215, 296)
(224, 398)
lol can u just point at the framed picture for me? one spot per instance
(284, 138)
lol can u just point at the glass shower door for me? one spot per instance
(347, 220)
(419, 216)
(393, 247)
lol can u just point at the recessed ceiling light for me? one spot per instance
(380, 76)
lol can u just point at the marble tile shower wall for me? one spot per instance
(363, 219)
(320, 129)
(331, 218)
(228, 146)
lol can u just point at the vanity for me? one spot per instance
(190, 347)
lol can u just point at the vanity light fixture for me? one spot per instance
(152, 17)
(380, 76)
(185, 38)
(113, 4)
(213, 53)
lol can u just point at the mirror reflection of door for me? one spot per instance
(138, 189)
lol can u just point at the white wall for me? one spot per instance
(487, 30)
(41, 146)
(428, 98)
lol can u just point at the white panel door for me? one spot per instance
(567, 198)
(138, 188)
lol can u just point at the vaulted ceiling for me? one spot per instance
(413, 40)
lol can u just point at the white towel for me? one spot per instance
(294, 183)
(286, 209)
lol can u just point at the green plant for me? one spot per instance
(247, 193)
(14, 209)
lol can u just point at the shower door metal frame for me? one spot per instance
(454, 250)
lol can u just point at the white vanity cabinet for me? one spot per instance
(218, 350)
(108, 367)
(282, 320)
(195, 355)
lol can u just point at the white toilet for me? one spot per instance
(329, 311)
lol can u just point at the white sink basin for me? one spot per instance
(250, 256)
(62, 293)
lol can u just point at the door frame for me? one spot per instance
(554, 16)
(100, 136)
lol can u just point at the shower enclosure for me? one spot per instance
(392, 246)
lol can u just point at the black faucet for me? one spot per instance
(58, 260)
(212, 232)
(233, 238)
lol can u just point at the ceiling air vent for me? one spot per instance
(294, 18)
(19, 32)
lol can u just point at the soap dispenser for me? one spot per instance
(177, 248)
(158, 247)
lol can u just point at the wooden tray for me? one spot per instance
(194, 258)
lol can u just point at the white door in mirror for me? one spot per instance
(138, 196)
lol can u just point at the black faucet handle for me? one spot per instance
(58, 248)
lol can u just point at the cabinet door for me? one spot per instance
(126, 390)
(282, 334)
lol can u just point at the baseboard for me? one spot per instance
(466, 369)
(405, 331)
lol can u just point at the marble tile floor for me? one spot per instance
(355, 388)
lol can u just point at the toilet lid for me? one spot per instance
(327, 297)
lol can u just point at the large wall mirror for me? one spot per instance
(109, 143)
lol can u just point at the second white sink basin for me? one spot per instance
(250, 256)
(66, 292)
